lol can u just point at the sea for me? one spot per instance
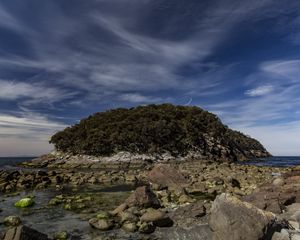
(9, 162)
(276, 161)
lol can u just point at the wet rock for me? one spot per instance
(12, 221)
(195, 232)
(127, 216)
(147, 227)
(157, 217)
(129, 227)
(101, 224)
(103, 215)
(231, 218)
(61, 236)
(189, 215)
(24, 233)
(119, 209)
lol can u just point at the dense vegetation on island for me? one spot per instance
(155, 129)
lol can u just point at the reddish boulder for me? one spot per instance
(143, 197)
(166, 176)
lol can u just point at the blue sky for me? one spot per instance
(63, 60)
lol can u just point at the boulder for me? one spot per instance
(101, 224)
(233, 219)
(129, 227)
(143, 197)
(272, 198)
(158, 217)
(24, 233)
(165, 176)
(188, 215)
(12, 221)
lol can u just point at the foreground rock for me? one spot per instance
(24, 233)
(233, 219)
(138, 213)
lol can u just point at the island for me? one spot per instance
(154, 172)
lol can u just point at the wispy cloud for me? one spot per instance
(32, 93)
(26, 134)
(139, 98)
(259, 91)
(271, 114)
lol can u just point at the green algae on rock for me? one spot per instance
(24, 202)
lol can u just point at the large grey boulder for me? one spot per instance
(236, 220)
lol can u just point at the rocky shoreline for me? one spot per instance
(172, 200)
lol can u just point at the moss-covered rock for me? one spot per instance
(24, 202)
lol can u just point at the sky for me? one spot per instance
(63, 60)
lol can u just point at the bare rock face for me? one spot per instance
(143, 197)
(236, 220)
(166, 176)
(24, 233)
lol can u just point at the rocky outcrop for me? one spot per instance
(278, 194)
(233, 219)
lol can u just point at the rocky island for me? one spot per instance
(181, 167)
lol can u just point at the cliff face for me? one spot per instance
(178, 131)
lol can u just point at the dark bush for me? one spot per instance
(149, 129)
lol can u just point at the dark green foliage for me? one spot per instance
(148, 129)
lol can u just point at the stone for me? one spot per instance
(24, 202)
(231, 218)
(101, 224)
(119, 209)
(293, 207)
(61, 235)
(165, 175)
(188, 215)
(103, 215)
(143, 197)
(152, 215)
(280, 236)
(272, 198)
(184, 198)
(278, 182)
(12, 221)
(127, 217)
(194, 232)
(158, 217)
(129, 227)
(294, 224)
(24, 233)
(147, 228)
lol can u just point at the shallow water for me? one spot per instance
(51, 219)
